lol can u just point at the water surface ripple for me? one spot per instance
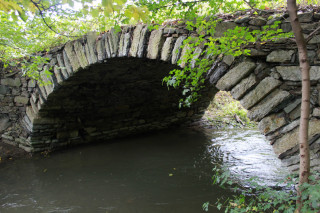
(168, 171)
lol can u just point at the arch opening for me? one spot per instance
(120, 97)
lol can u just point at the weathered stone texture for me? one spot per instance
(155, 44)
(267, 105)
(271, 123)
(238, 91)
(72, 57)
(135, 40)
(80, 52)
(112, 42)
(91, 52)
(266, 86)
(167, 49)
(235, 75)
(143, 42)
(177, 49)
(292, 73)
(259, 21)
(280, 56)
(222, 27)
(289, 140)
(11, 82)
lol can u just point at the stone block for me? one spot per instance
(31, 83)
(291, 139)
(257, 53)
(268, 104)
(292, 73)
(112, 42)
(219, 71)
(186, 49)
(65, 65)
(4, 122)
(169, 30)
(316, 112)
(90, 46)
(228, 59)
(286, 27)
(80, 52)
(295, 113)
(167, 49)
(124, 44)
(176, 52)
(71, 56)
(155, 44)
(245, 84)
(22, 100)
(242, 19)
(266, 86)
(280, 56)
(11, 82)
(222, 27)
(235, 75)
(315, 39)
(290, 126)
(271, 123)
(58, 74)
(101, 51)
(309, 27)
(143, 42)
(135, 40)
(258, 21)
(3, 89)
(305, 17)
(292, 105)
(196, 54)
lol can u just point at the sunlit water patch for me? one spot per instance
(168, 171)
(247, 154)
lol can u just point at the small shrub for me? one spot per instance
(262, 198)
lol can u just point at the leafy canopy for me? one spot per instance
(29, 26)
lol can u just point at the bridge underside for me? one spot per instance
(111, 99)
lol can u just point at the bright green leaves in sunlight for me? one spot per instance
(199, 53)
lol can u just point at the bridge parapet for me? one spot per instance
(109, 85)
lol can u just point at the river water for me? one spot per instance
(168, 171)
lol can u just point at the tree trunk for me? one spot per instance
(304, 171)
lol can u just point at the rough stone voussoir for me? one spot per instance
(71, 56)
(167, 49)
(235, 75)
(266, 86)
(155, 44)
(135, 40)
(280, 56)
(246, 84)
(268, 104)
(176, 52)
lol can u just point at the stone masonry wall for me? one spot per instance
(109, 85)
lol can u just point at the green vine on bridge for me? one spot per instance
(196, 64)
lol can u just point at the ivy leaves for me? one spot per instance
(196, 63)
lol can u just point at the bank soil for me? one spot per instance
(9, 153)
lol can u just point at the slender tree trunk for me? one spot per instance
(304, 171)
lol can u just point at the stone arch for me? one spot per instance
(60, 113)
(267, 83)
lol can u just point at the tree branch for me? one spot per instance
(37, 5)
(311, 34)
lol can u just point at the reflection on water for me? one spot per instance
(247, 154)
(162, 172)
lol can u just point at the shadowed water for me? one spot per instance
(167, 171)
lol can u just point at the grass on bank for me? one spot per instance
(224, 111)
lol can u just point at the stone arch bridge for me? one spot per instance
(110, 85)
